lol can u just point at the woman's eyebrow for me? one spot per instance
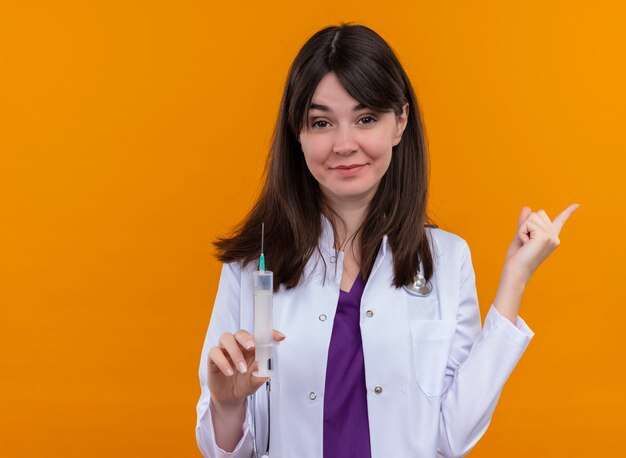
(317, 106)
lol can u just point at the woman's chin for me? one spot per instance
(350, 194)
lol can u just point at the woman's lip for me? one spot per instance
(348, 170)
(351, 166)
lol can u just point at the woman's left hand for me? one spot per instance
(536, 238)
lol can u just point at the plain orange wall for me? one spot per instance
(133, 133)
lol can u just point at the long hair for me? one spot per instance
(290, 202)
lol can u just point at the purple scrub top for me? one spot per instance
(346, 427)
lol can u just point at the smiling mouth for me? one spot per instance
(348, 167)
(349, 170)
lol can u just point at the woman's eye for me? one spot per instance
(321, 123)
(317, 123)
(370, 118)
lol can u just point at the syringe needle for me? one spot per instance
(262, 259)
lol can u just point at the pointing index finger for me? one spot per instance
(559, 221)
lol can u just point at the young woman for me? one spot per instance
(381, 352)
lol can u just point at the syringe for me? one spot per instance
(263, 320)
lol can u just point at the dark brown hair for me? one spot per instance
(290, 203)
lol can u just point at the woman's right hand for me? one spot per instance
(231, 364)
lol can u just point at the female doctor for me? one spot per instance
(381, 351)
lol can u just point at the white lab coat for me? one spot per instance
(433, 376)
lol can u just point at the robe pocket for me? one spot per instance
(431, 341)
(422, 308)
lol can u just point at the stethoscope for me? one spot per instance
(418, 287)
(267, 444)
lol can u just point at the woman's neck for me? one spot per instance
(351, 214)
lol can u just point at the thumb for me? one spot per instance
(522, 237)
(255, 381)
(518, 239)
(526, 211)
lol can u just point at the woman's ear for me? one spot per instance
(401, 122)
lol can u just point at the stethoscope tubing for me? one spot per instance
(254, 428)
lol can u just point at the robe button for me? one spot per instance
(378, 390)
(369, 313)
(322, 317)
(333, 259)
(312, 396)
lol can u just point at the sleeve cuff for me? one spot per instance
(519, 332)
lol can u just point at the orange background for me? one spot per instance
(133, 133)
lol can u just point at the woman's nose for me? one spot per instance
(345, 142)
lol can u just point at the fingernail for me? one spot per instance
(280, 334)
(249, 345)
(242, 367)
(230, 372)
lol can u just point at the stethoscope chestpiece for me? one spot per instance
(419, 286)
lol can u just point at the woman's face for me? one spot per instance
(347, 147)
